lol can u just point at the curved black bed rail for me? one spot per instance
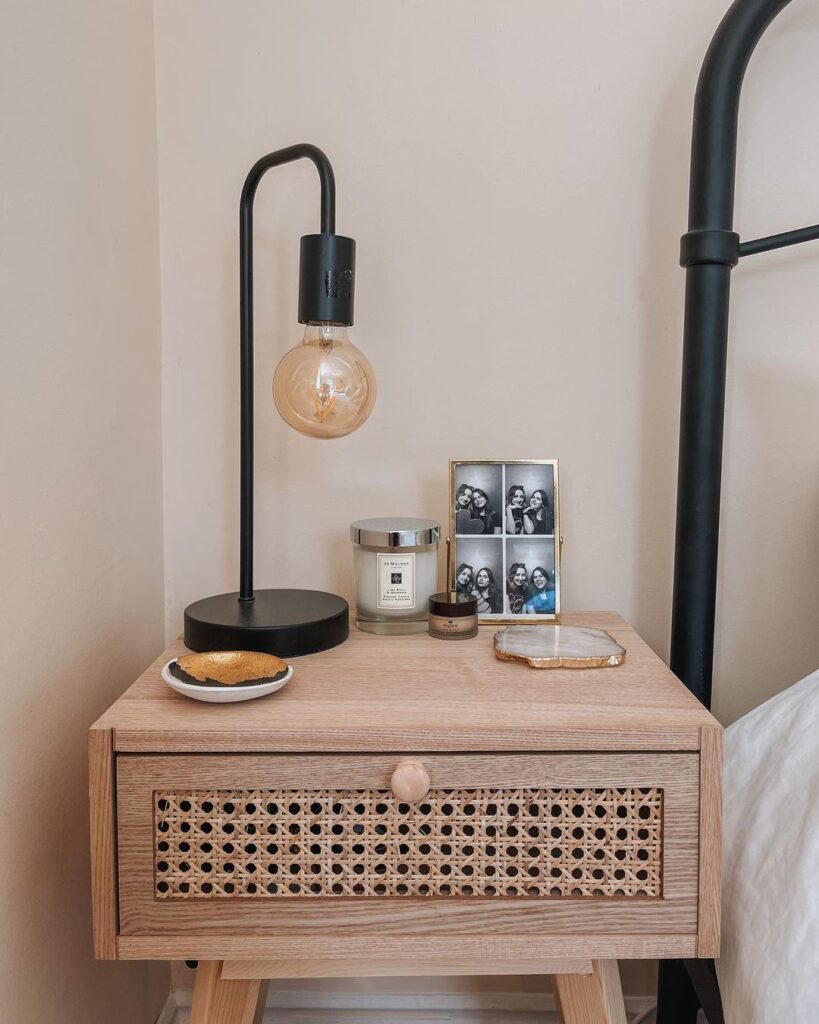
(708, 251)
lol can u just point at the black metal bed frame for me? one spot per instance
(708, 250)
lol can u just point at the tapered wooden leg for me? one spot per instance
(595, 998)
(216, 1001)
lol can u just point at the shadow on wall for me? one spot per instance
(768, 588)
(45, 855)
(661, 292)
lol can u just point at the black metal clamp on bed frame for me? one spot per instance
(704, 246)
(709, 250)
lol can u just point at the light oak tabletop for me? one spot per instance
(415, 693)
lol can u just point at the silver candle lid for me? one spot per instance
(395, 532)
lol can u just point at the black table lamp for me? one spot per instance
(323, 387)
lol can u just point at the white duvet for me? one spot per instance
(769, 968)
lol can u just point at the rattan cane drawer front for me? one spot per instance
(277, 844)
(296, 843)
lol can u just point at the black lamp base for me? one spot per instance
(282, 622)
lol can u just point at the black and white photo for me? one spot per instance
(529, 499)
(504, 520)
(530, 576)
(478, 503)
(479, 572)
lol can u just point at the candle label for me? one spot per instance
(396, 581)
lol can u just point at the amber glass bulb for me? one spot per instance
(324, 387)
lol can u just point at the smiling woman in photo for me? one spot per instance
(463, 498)
(541, 599)
(515, 504)
(463, 508)
(537, 516)
(489, 602)
(483, 513)
(516, 588)
(464, 581)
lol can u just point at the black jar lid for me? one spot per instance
(452, 605)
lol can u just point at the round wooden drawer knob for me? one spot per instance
(410, 781)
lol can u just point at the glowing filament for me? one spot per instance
(323, 392)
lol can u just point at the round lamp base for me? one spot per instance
(282, 622)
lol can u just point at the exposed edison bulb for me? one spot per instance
(324, 387)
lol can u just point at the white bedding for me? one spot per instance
(769, 969)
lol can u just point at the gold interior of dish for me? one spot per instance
(231, 667)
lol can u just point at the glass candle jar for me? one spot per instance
(396, 565)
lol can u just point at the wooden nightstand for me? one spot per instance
(572, 817)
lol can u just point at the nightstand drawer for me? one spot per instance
(297, 843)
(288, 844)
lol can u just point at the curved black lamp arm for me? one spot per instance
(328, 226)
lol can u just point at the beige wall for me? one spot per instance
(81, 562)
(516, 177)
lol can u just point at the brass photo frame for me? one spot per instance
(495, 535)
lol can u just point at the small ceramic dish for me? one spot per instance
(225, 677)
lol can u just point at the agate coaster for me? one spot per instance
(558, 647)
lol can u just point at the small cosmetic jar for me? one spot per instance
(453, 617)
(396, 565)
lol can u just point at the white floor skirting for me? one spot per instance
(306, 1007)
